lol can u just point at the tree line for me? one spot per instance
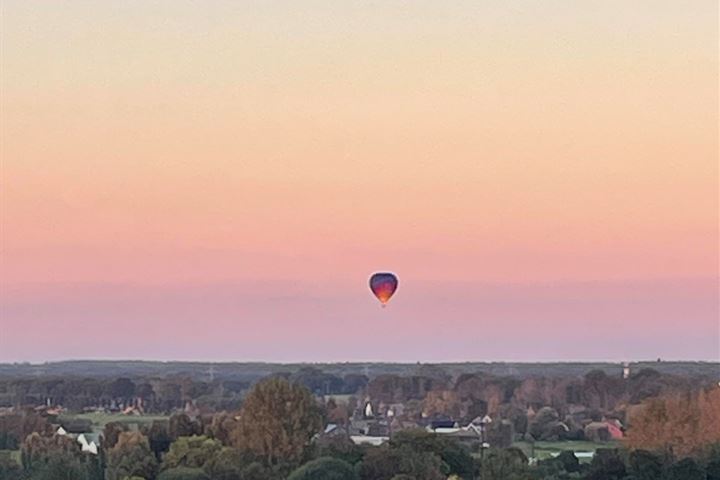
(156, 394)
(463, 394)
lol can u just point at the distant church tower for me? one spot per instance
(626, 370)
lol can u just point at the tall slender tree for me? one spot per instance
(277, 422)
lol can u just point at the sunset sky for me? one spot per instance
(217, 180)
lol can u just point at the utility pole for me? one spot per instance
(389, 415)
(486, 420)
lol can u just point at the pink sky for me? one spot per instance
(185, 180)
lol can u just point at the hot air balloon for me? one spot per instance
(383, 285)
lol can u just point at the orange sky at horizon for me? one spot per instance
(173, 143)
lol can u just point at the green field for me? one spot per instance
(544, 450)
(99, 419)
(14, 454)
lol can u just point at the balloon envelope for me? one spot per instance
(383, 285)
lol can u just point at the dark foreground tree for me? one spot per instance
(456, 458)
(340, 447)
(131, 456)
(61, 466)
(159, 437)
(607, 464)
(325, 468)
(713, 470)
(385, 463)
(506, 464)
(183, 473)
(686, 469)
(565, 465)
(9, 468)
(644, 465)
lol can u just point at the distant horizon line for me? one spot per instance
(357, 362)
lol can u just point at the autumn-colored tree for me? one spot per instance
(17, 425)
(277, 422)
(682, 424)
(222, 426)
(394, 388)
(57, 457)
(442, 402)
(488, 391)
(337, 414)
(130, 456)
(37, 449)
(181, 425)
(601, 390)
(111, 433)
